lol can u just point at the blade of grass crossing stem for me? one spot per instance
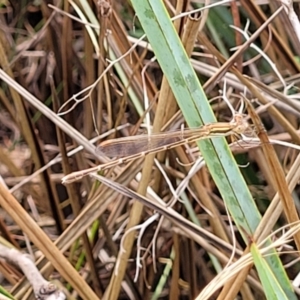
(197, 111)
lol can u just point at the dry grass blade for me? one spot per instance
(165, 211)
(277, 172)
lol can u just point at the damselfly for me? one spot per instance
(130, 148)
(140, 145)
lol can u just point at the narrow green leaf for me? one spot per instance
(272, 287)
(197, 111)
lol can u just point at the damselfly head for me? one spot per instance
(239, 123)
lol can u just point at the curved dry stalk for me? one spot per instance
(42, 288)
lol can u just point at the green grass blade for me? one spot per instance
(271, 286)
(196, 110)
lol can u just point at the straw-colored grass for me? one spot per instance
(211, 219)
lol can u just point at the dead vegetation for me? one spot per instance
(146, 228)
